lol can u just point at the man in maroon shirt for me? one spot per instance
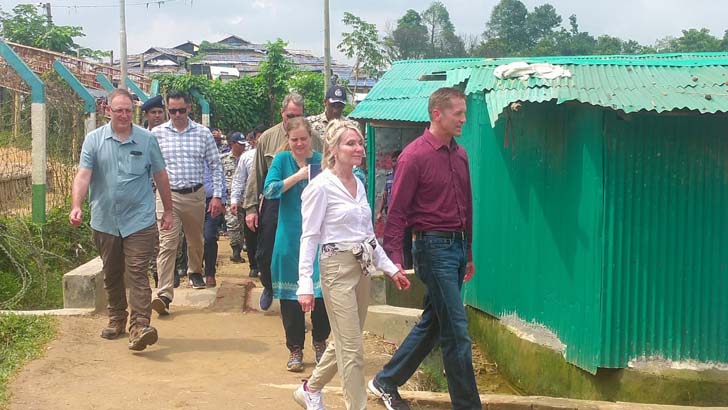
(432, 196)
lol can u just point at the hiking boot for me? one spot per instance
(295, 361)
(196, 281)
(319, 348)
(114, 329)
(141, 337)
(210, 281)
(390, 397)
(160, 304)
(307, 399)
(266, 299)
(235, 257)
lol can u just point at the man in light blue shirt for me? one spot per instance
(117, 161)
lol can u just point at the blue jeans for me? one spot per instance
(210, 235)
(440, 264)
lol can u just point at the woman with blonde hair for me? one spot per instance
(286, 180)
(337, 218)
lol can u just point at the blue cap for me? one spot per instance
(237, 137)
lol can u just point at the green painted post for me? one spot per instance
(371, 166)
(39, 126)
(89, 102)
(155, 88)
(205, 106)
(135, 88)
(108, 85)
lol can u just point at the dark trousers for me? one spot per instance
(210, 235)
(267, 225)
(294, 322)
(251, 242)
(440, 264)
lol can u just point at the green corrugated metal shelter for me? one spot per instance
(601, 199)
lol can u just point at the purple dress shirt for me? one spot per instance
(431, 192)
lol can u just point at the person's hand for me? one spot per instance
(252, 221)
(302, 174)
(234, 209)
(469, 271)
(216, 207)
(167, 220)
(400, 279)
(379, 216)
(76, 216)
(306, 302)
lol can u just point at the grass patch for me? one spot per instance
(22, 338)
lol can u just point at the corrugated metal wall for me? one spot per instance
(537, 192)
(666, 239)
(611, 232)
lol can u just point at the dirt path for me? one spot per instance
(214, 358)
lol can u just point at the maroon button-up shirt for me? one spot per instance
(431, 192)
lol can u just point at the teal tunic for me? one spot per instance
(284, 266)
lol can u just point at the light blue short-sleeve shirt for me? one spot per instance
(120, 194)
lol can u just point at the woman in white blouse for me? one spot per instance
(337, 217)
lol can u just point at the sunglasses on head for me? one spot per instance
(177, 110)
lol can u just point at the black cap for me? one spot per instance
(153, 102)
(336, 94)
(237, 137)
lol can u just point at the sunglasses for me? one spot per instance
(177, 110)
(290, 116)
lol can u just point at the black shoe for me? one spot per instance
(196, 281)
(161, 305)
(266, 299)
(391, 398)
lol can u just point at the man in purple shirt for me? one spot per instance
(432, 196)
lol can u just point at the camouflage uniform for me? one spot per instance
(318, 124)
(234, 225)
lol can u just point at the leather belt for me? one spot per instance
(460, 235)
(188, 190)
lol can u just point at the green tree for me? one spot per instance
(364, 46)
(609, 45)
(441, 38)
(274, 72)
(508, 22)
(408, 40)
(542, 22)
(311, 86)
(694, 40)
(25, 26)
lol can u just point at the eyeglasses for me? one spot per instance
(177, 110)
(121, 111)
(290, 116)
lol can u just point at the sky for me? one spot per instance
(300, 22)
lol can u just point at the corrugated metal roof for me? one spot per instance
(656, 82)
(400, 95)
(630, 83)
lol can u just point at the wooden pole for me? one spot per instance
(16, 115)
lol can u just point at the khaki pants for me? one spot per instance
(130, 254)
(188, 212)
(346, 295)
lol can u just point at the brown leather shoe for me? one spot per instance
(141, 337)
(210, 281)
(114, 329)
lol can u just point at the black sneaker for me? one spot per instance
(391, 399)
(161, 305)
(196, 281)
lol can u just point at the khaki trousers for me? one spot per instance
(130, 254)
(188, 211)
(346, 295)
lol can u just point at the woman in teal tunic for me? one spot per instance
(287, 177)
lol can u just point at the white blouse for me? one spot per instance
(331, 215)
